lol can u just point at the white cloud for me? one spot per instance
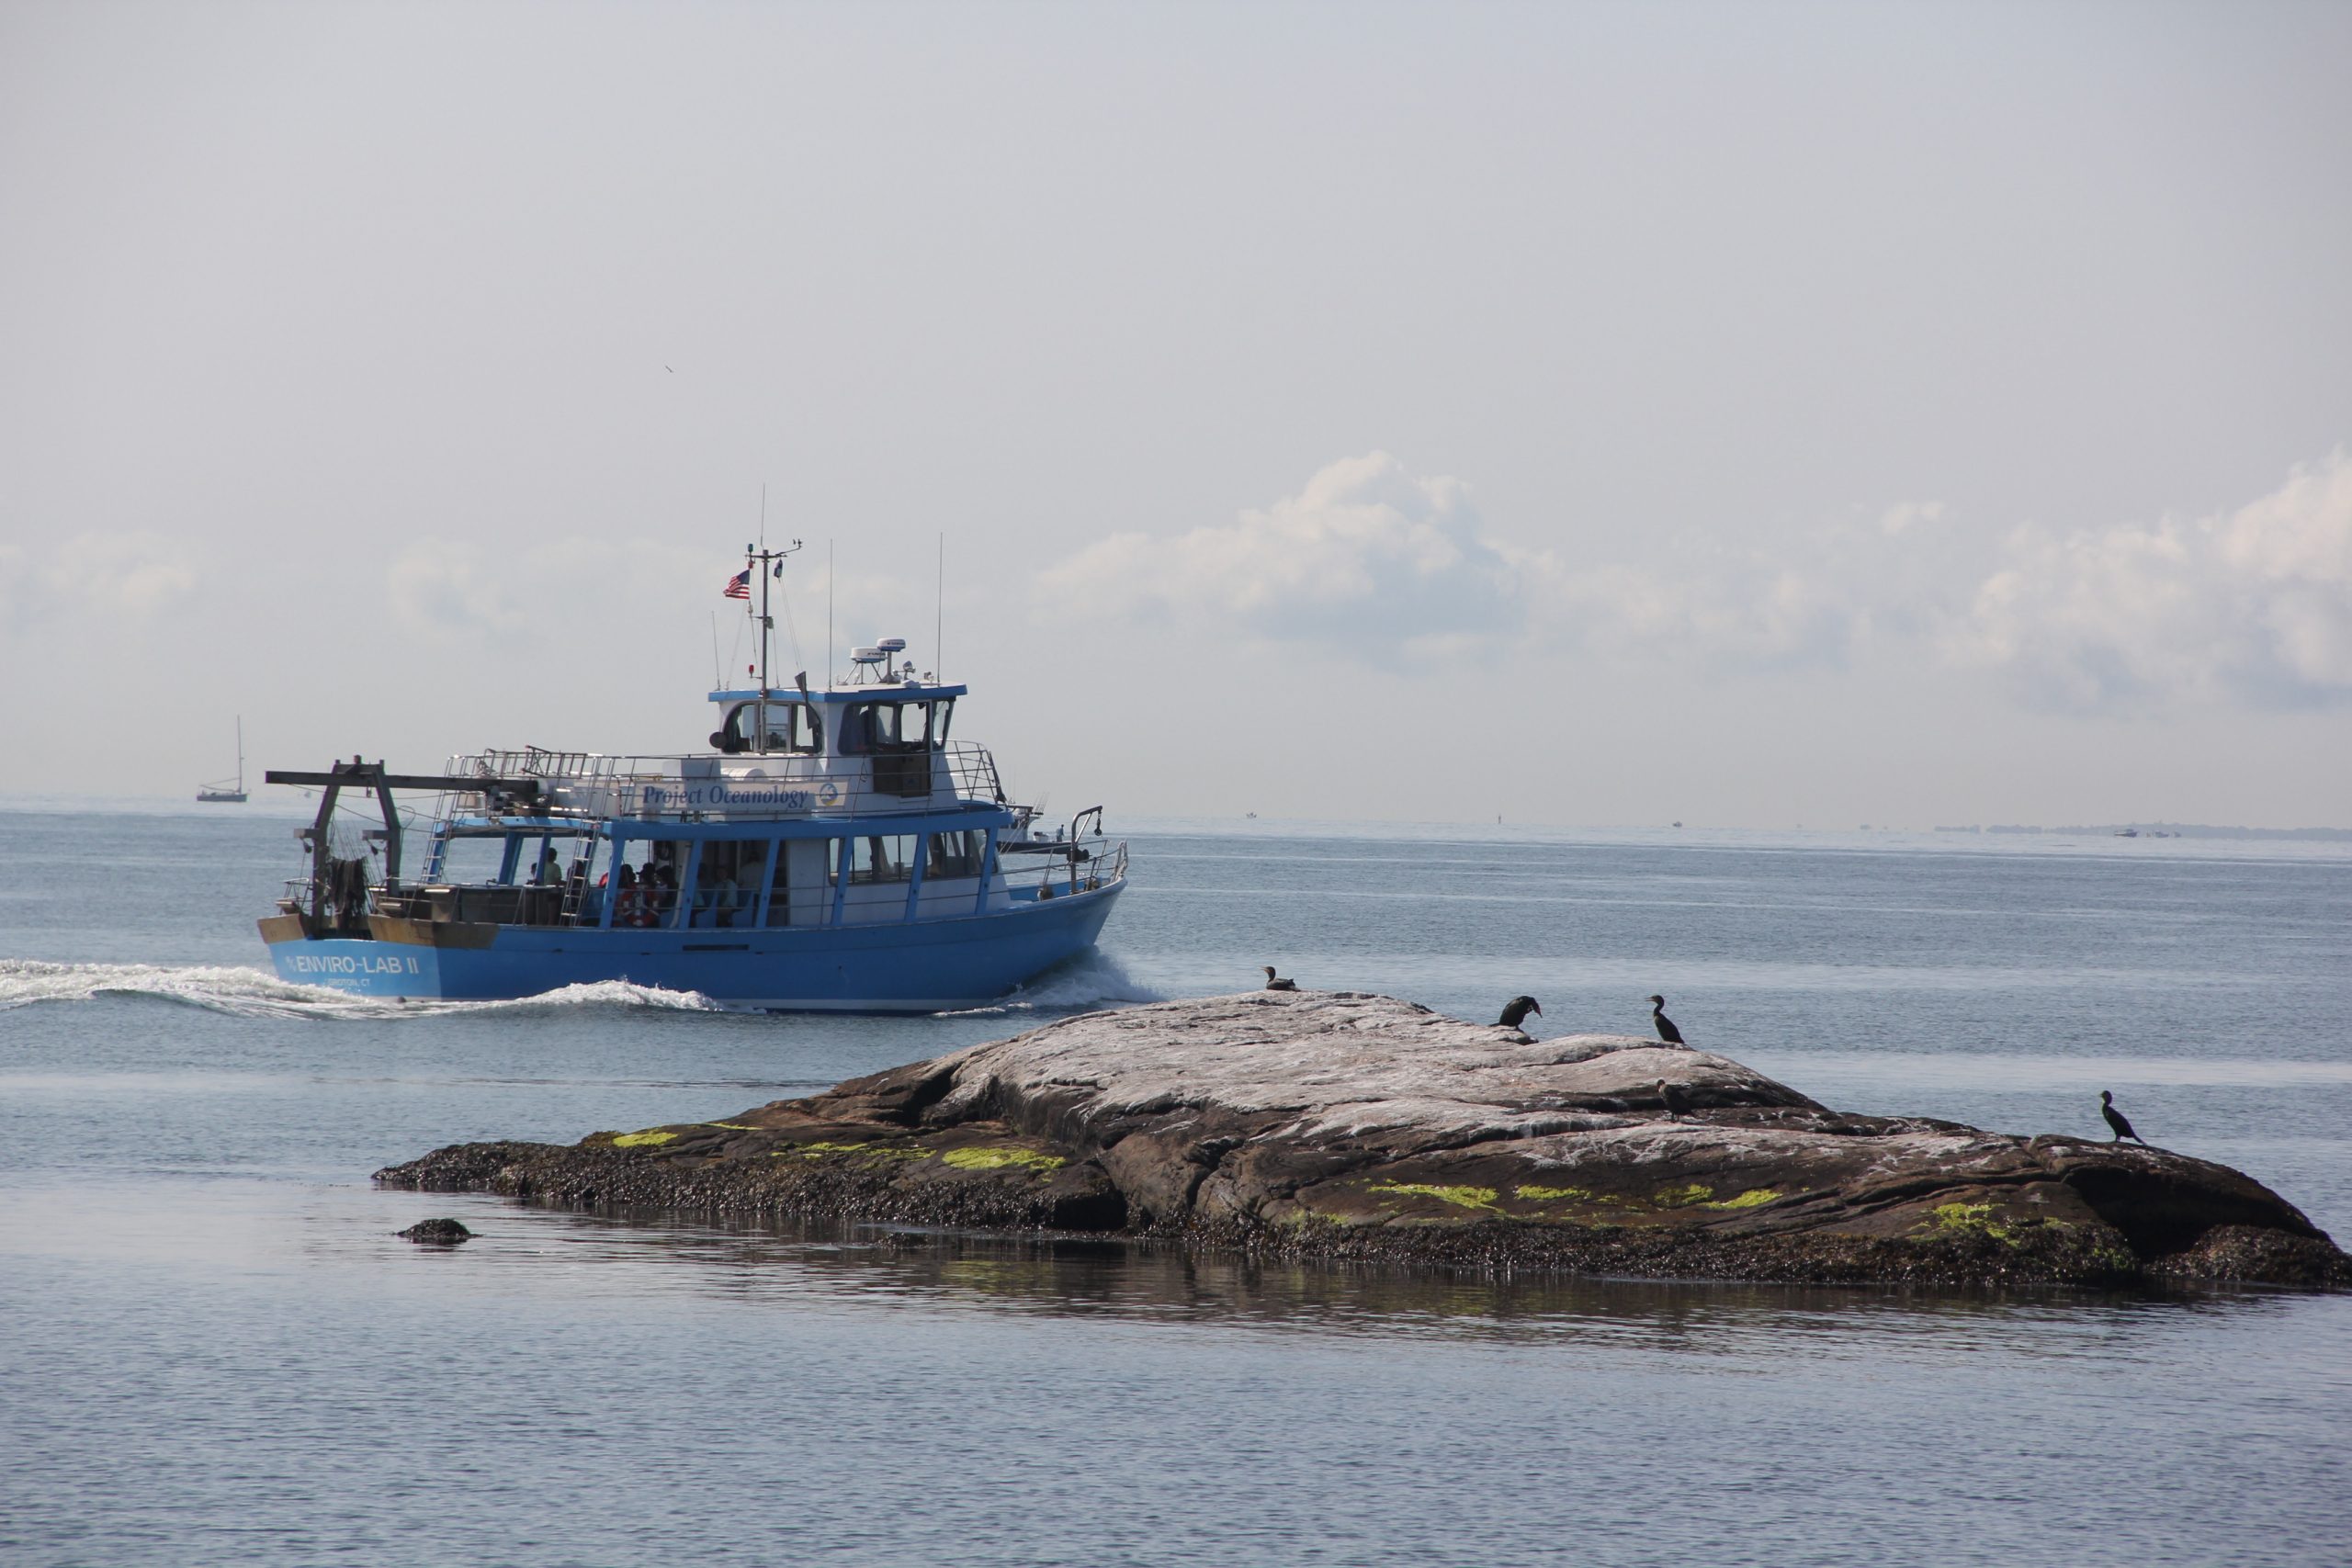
(2254, 606)
(1393, 569)
(1904, 516)
(138, 576)
(437, 586)
(1732, 610)
(1366, 556)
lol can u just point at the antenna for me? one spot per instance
(938, 612)
(718, 677)
(829, 612)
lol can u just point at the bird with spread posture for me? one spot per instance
(2117, 1120)
(1515, 1011)
(1676, 1102)
(1665, 1029)
(1276, 983)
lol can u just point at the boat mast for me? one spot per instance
(771, 565)
(240, 753)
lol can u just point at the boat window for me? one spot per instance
(660, 874)
(882, 858)
(727, 882)
(471, 862)
(780, 886)
(870, 727)
(913, 728)
(954, 854)
(941, 720)
(794, 727)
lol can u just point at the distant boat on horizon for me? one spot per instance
(225, 793)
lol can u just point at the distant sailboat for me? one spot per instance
(225, 793)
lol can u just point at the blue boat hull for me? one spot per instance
(918, 966)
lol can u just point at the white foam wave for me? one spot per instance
(1086, 983)
(603, 993)
(256, 993)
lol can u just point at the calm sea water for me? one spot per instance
(214, 1350)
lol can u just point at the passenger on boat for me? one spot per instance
(629, 907)
(550, 871)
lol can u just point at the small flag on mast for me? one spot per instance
(739, 585)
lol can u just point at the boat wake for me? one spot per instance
(1089, 983)
(256, 993)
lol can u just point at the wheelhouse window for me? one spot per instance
(794, 727)
(791, 727)
(872, 728)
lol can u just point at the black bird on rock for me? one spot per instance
(1515, 1011)
(1276, 983)
(1676, 1102)
(2117, 1120)
(1665, 1029)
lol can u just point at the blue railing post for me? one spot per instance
(759, 915)
(914, 878)
(687, 878)
(988, 874)
(613, 877)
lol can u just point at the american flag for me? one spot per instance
(739, 585)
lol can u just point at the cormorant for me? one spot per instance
(1276, 983)
(1665, 1029)
(2117, 1120)
(1515, 1011)
(1676, 1102)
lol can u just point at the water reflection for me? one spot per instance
(791, 1261)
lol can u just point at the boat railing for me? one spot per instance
(972, 768)
(592, 784)
(1035, 872)
(1058, 869)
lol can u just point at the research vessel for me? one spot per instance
(834, 849)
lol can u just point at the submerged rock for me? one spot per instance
(1341, 1125)
(437, 1232)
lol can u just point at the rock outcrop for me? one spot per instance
(1347, 1127)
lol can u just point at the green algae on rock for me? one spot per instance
(1350, 1126)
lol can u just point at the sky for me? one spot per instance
(1746, 414)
